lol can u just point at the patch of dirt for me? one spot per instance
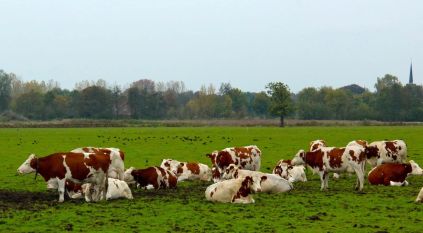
(24, 200)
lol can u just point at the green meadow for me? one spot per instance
(26, 205)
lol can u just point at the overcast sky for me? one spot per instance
(247, 43)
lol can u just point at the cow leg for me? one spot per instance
(61, 189)
(322, 180)
(326, 177)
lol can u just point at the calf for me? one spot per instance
(151, 178)
(116, 189)
(187, 171)
(77, 167)
(393, 174)
(270, 183)
(234, 191)
(386, 152)
(117, 158)
(331, 159)
(247, 157)
(420, 196)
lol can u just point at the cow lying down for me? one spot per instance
(116, 189)
(286, 170)
(393, 174)
(234, 191)
(187, 171)
(151, 178)
(270, 183)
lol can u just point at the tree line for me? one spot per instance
(146, 99)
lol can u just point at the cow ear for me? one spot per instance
(209, 155)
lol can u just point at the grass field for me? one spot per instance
(26, 206)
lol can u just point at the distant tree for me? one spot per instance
(239, 102)
(5, 90)
(31, 105)
(354, 89)
(96, 102)
(261, 103)
(280, 100)
(389, 99)
(224, 88)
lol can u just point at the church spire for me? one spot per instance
(410, 80)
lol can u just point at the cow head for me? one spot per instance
(213, 157)
(230, 172)
(415, 168)
(252, 183)
(281, 170)
(170, 165)
(316, 144)
(299, 158)
(128, 177)
(29, 165)
(296, 173)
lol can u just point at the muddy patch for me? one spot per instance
(24, 200)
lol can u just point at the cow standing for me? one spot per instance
(247, 157)
(234, 190)
(393, 174)
(77, 167)
(187, 171)
(331, 159)
(151, 178)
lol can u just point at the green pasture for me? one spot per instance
(26, 205)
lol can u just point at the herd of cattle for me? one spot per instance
(99, 173)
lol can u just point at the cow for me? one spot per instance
(234, 190)
(393, 174)
(316, 144)
(270, 183)
(187, 171)
(420, 196)
(331, 159)
(247, 157)
(76, 167)
(285, 170)
(296, 173)
(151, 178)
(386, 152)
(116, 189)
(117, 157)
(360, 143)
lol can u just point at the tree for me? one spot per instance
(261, 103)
(31, 105)
(5, 90)
(96, 102)
(280, 100)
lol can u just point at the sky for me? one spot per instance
(247, 43)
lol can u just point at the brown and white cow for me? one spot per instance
(76, 167)
(247, 157)
(316, 144)
(234, 190)
(386, 152)
(151, 178)
(393, 174)
(286, 170)
(187, 170)
(420, 196)
(117, 156)
(270, 183)
(332, 159)
(115, 189)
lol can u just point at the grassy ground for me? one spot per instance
(26, 206)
